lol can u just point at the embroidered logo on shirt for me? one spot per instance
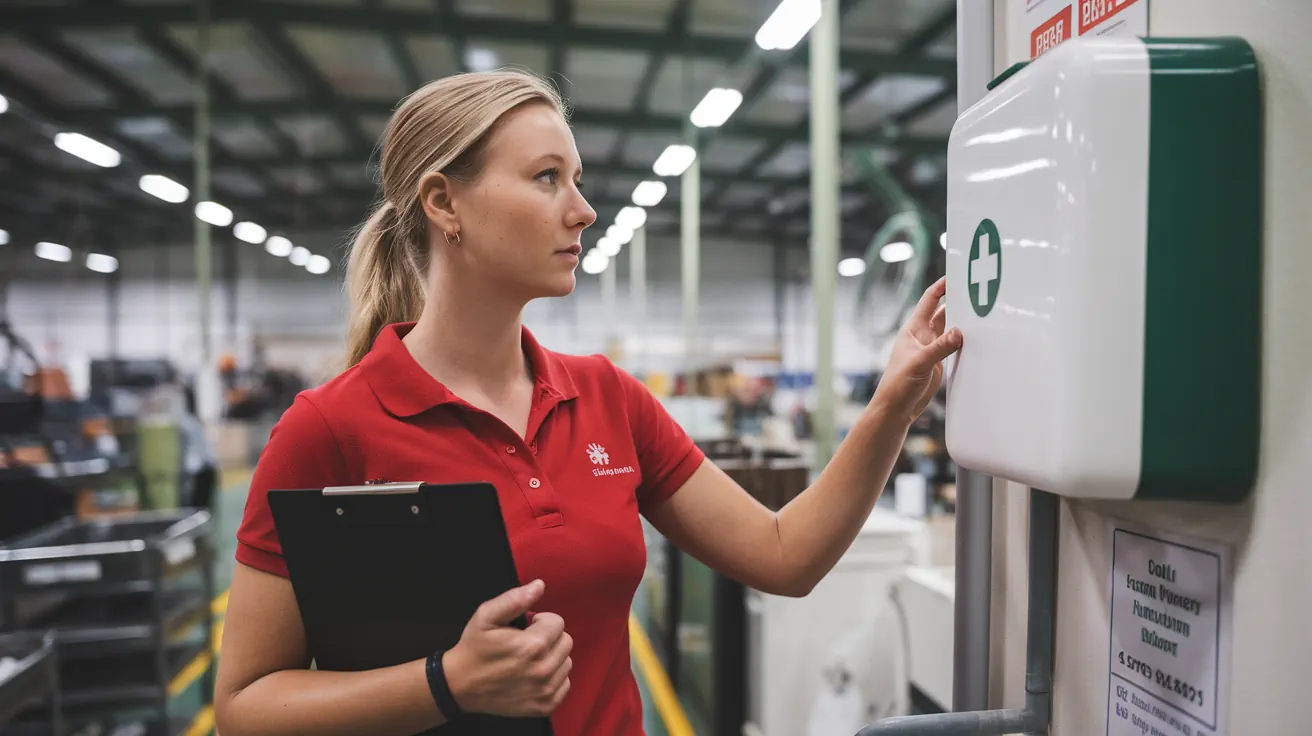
(598, 455)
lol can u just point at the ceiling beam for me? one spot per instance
(676, 27)
(412, 21)
(595, 118)
(276, 39)
(912, 49)
(405, 63)
(765, 77)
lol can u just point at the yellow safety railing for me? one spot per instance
(658, 682)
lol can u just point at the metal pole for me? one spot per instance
(608, 307)
(691, 247)
(201, 184)
(114, 314)
(638, 295)
(1034, 719)
(825, 223)
(974, 534)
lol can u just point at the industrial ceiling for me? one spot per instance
(300, 91)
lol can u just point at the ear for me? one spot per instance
(437, 195)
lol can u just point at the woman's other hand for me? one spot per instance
(915, 368)
(502, 670)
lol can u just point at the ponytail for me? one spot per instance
(384, 282)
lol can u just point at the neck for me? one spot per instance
(465, 338)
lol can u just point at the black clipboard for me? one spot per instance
(388, 573)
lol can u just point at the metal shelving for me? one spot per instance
(31, 678)
(120, 596)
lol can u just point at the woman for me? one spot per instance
(481, 213)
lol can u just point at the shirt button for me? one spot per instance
(510, 449)
(534, 483)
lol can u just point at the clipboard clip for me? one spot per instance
(374, 489)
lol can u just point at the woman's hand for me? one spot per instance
(915, 369)
(502, 670)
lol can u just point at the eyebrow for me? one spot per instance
(557, 158)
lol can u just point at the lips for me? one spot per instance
(573, 250)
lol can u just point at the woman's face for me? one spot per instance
(521, 220)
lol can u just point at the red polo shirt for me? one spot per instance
(599, 450)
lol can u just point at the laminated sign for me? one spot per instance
(1169, 654)
(1044, 24)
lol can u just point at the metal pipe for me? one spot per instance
(943, 724)
(1033, 720)
(972, 619)
(974, 533)
(1045, 521)
(825, 222)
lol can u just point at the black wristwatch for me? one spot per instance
(441, 689)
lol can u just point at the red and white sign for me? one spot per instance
(1038, 26)
(1053, 31)
(1095, 13)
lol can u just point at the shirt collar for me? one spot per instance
(405, 389)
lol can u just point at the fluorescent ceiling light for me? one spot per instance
(54, 252)
(250, 232)
(318, 265)
(278, 246)
(595, 262)
(896, 252)
(943, 241)
(101, 263)
(88, 149)
(851, 267)
(631, 217)
(214, 213)
(674, 160)
(4, 237)
(619, 234)
(481, 60)
(649, 193)
(715, 108)
(299, 256)
(788, 24)
(609, 247)
(4, 104)
(164, 188)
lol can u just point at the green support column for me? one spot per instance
(608, 279)
(201, 190)
(638, 296)
(825, 182)
(691, 228)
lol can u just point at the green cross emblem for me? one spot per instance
(984, 269)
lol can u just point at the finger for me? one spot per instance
(560, 676)
(936, 352)
(940, 320)
(508, 606)
(560, 695)
(547, 626)
(929, 301)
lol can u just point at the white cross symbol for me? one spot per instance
(984, 269)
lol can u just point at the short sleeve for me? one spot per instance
(301, 453)
(667, 456)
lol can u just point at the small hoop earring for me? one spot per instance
(448, 238)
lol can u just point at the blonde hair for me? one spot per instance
(442, 127)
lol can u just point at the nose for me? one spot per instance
(581, 214)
